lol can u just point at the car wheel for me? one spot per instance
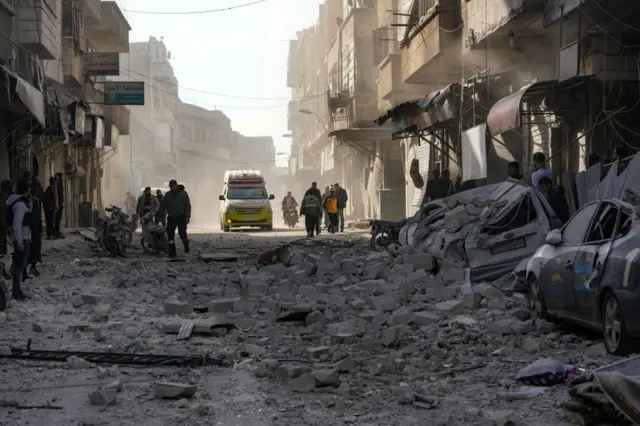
(225, 228)
(537, 306)
(616, 339)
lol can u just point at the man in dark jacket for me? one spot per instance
(316, 193)
(35, 253)
(147, 203)
(311, 209)
(555, 197)
(6, 189)
(161, 216)
(60, 202)
(341, 195)
(177, 205)
(50, 206)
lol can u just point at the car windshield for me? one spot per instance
(246, 193)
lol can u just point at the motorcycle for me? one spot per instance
(110, 236)
(127, 222)
(384, 233)
(290, 217)
(154, 237)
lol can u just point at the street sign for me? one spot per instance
(124, 92)
(102, 63)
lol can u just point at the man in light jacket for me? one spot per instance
(20, 215)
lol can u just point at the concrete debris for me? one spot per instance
(77, 363)
(102, 397)
(176, 307)
(329, 377)
(174, 390)
(304, 383)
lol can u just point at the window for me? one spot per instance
(246, 193)
(604, 225)
(516, 216)
(625, 222)
(574, 231)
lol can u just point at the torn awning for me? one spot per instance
(360, 134)
(33, 100)
(420, 114)
(506, 114)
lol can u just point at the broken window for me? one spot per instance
(625, 221)
(515, 216)
(574, 231)
(604, 225)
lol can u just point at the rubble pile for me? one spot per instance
(336, 336)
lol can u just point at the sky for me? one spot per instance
(240, 53)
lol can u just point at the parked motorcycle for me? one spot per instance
(384, 233)
(154, 237)
(290, 217)
(110, 236)
(127, 222)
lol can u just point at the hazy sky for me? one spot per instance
(239, 53)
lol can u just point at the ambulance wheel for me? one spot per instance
(226, 228)
(269, 228)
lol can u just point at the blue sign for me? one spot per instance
(124, 92)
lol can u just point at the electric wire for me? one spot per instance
(196, 12)
(624, 24)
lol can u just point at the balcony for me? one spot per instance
(390, 85)
(91, 10)
(72, 63)
(111, 33)
(497, 22)
(39, 28)
(430, 49)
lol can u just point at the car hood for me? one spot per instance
(258, 202)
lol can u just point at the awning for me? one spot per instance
(420, 114)
(360, 134)
(31, 98)
(506, 113)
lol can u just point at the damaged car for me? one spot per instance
(489, 230)
(588, 272)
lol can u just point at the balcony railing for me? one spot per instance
(23, 63)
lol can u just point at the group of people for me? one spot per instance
(316, 205)
(172, 210)
(21, 209)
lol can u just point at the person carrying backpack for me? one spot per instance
(19, 216)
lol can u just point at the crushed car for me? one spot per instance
(489, 230)
(588, 272)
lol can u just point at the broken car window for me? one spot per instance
(516, 216)
(575, 230)
(625, 221)
(603, 227)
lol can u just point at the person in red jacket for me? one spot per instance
(50, 205)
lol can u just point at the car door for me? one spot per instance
(556, 276)
(590, 259)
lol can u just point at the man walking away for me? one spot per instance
(161, 216)
(35, 253)
(325, 217)
(343, 197)
(311, 210)
(6, 188)
(50, 207)
(147, 203)
(555, 197)
(540, 170)
(331, 208)
(178, 207)
(20, 217)
(316, 193)
(513, 170)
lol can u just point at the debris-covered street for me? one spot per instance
(342, 336)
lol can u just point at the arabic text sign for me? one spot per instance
(124, 92)
(102, 63)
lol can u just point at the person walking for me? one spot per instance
(541, 170)
(147, 203)
(343, 197)
(35, 253)
(6, 189)
(311, 210)
(161, 216)
(316, 193)
(20, 218)
(178, 207)
(330, 206)
(50, 207)
(60, 205)
(325, 217)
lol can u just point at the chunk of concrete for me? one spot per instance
(327, 377)
(345, 365)
(402, 316)
(278, 270)
(222, 306)
(304, 383)
(77, 363)
(488, 291)
(384, 303)
(448, 308)
(419, 261)
(102, 398)
(291, 371)
(393, 335)
(470, 298)
(174, 390)
(176, 307)
(451, 271)
(318, 351)
(425, 318)
(91, 299)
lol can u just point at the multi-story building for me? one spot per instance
(537, 75)
(153, 147)
(61, 124)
